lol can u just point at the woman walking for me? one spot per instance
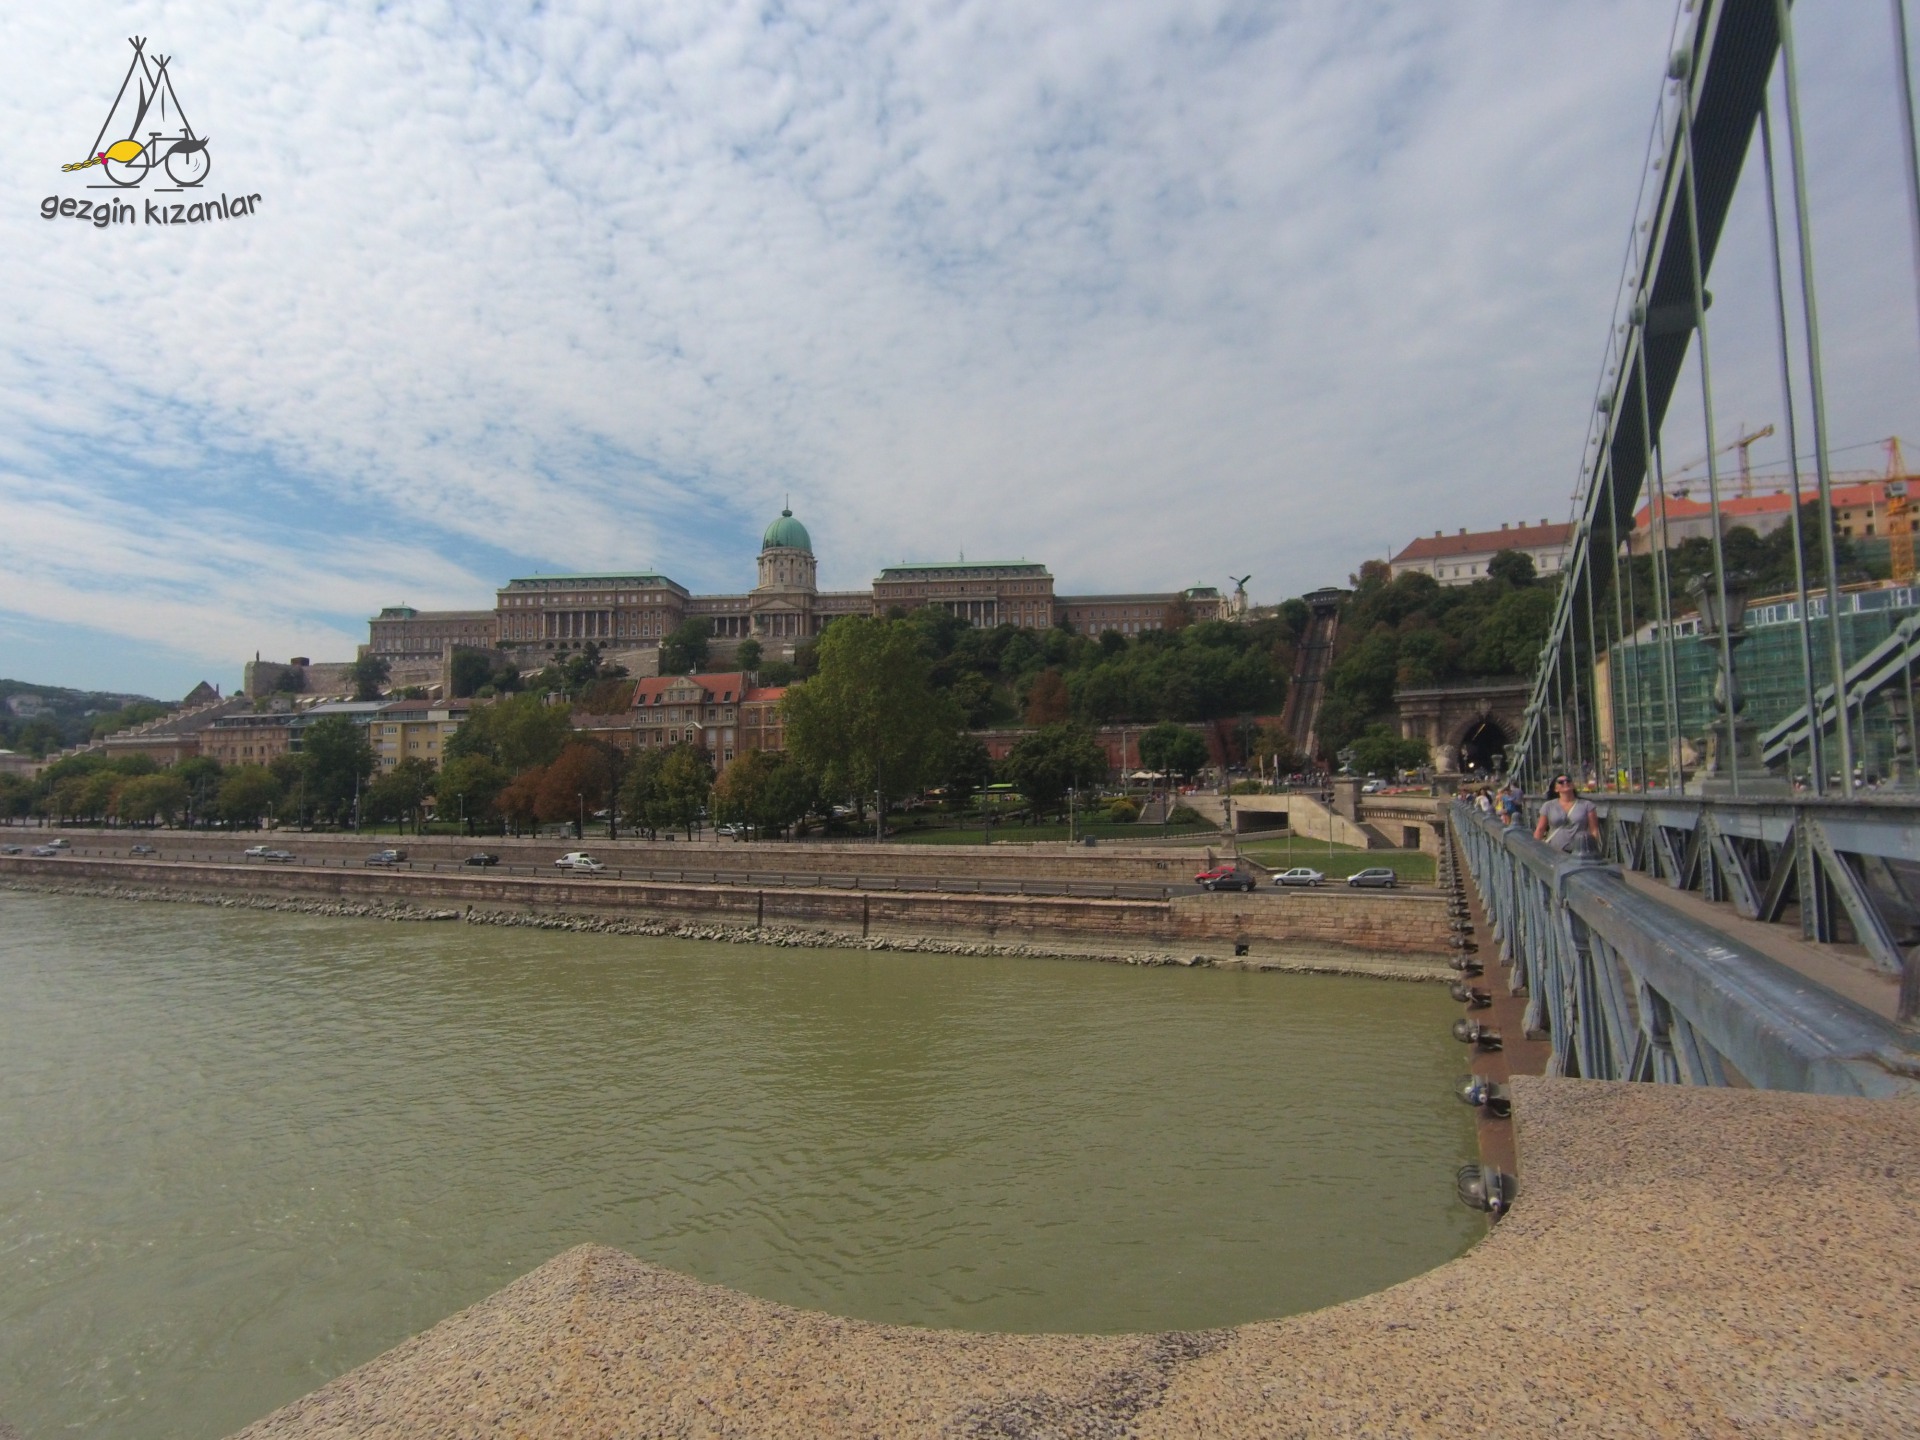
(1567, 822)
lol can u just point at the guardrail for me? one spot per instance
(1848, 870)
(1626, 988)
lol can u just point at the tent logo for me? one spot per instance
(147, 141)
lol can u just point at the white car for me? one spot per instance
(578, 860)
(1299, 875)
(256, 852)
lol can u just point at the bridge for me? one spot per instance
(1750, 913)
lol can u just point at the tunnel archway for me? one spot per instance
(1484, 738)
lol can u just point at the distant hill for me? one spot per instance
(40, 718)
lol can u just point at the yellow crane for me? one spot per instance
(1899, 518)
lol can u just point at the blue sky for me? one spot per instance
(1152, 292)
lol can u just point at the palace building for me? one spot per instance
(537, 618)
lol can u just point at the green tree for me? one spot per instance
(467, 786)
(685, 650)
(339, 761)
(1512, 568)
(146, 799)
(1173, 750)
(1378, 751)
(870, 722)
(469, 671)
(201, 775)
(667, 789)
(747, 654)
(964, 768)
(247, 793)
(1049, 762)
(400, 793)
(518, 734)
(370, 674)
(763, 789)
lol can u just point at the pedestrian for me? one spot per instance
(1509, 804)
(1567, 822)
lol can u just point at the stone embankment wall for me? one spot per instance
(1131, 863)
(1408, 924)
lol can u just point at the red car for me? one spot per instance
(1224, 877)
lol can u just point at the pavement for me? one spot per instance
(1680, 1262)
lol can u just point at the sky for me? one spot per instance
(1156, 293)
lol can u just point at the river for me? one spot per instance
(241, 1152)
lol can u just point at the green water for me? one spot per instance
(240, 1153)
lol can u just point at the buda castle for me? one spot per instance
(541, 618)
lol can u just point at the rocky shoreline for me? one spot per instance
(781, 936)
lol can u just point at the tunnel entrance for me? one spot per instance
(1484, 739)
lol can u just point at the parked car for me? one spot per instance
(1373, 787)
(1225, 877)
(143, 850)
(278, 857)
(1377, 876)
(578, 860)
(256, 852)
(45, 851)
(1299, 875)
(481, 857)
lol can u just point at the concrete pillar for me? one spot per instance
(1346, 796)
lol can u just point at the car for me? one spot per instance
(588, 864)
(11, 849)
(1225, 877)
(386, 857)
(278, 857)
(59, 843)
(1377, 876)
(257, 852)
(45, 851)
(143, 850)
(578, 860)
(481, 857)
(1299, 875)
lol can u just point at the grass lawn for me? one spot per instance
(1032, 834)
(1341, 861)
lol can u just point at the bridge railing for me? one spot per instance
(1840, 872)
(1626, 988)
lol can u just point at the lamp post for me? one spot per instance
(1733, 763)
(580, 831)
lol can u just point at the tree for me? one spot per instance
(149, 798)
(1512, 568)
(246, 794)
(338, 761)
(763, 789)
(201, 775)
(1049, 762)
(401, 793)
(1173, 750)
(575, 785)
(469, 671)
(685, 650)
(468, 786)
(667, 789)
(1277, 745)
(1047, 699)
(964, 768)
(1378, 751)
(870, 722)
(370, 673)
(518, 733)
(747, 654)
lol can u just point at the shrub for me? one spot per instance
(1123, 811)
(1246, 787)
(1185, 815)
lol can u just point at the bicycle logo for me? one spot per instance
(169, 144)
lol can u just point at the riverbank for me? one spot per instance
(1663, 1272)
(1304, 960)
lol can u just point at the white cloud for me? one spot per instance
(1151, 292)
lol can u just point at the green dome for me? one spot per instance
(786, 533)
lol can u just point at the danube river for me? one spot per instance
(242, 1152)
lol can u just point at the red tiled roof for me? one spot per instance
(1481, 542)
(718, 688)
(764, 694)
(1735, 507)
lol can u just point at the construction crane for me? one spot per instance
(1899, 518)
(1742, 443)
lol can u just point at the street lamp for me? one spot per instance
(1723, 624)
(580, 831)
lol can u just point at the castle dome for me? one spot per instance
(786, 533)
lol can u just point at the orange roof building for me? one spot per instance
(1461, 558)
